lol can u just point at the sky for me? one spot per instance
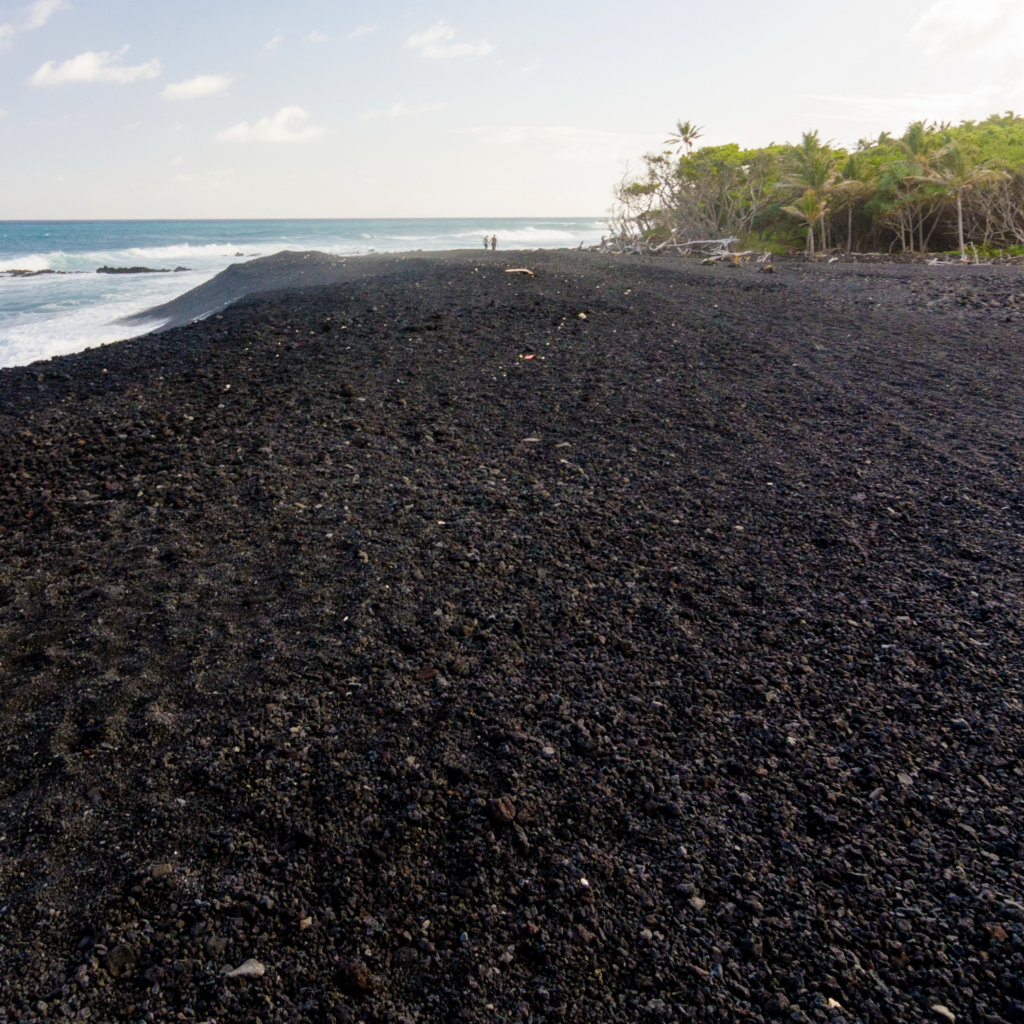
(112, 109)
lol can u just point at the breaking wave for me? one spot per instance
(75, 308)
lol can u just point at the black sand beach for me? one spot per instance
(634, 641)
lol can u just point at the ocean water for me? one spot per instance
(76, 308)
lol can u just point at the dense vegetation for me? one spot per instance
(937, 187)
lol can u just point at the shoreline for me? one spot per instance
(621, 639)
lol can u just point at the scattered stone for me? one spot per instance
(120, 959)
(227, 734)
(501, 810)
(249, 969)
(355, 977)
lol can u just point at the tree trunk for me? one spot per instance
(935, 223)
(849, 228)
(810, 239)
(960, 226)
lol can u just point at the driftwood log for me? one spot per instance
(715, 250)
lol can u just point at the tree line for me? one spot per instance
(936, 188)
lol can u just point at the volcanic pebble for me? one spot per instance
(339, 638)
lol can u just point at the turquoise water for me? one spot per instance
(77, 308)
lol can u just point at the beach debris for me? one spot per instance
(531, 440)
(730, 259)
(520, 270)
(249, 969)
(582, 316)
(715, 250)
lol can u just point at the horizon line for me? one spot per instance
(235, 220)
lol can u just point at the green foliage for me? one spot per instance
(918, 191)
(994, 140)
(997, 252)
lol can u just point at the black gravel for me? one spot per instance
(460, 658)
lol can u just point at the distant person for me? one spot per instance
(494, 242)
(486, 242)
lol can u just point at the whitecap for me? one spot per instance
(48, 316)
(33, 262)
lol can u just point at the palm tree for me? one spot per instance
(917, 148)
(851, 187)
(686, 134)
(811, 208)
(955, 173)
(812, 169)
(918, 143)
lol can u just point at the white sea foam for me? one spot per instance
(50, 316)
(180, 252)
(66, 312)
(534, 235)
(33, 262)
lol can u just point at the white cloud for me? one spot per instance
(289, 124)
(989, 33)
(195, 88)
(36, 15)
(316, 36)
(438, 43)
(971, 28)
(406, 110)
(271, 45)
(40, 12)
(363, 30)
(94, 67)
